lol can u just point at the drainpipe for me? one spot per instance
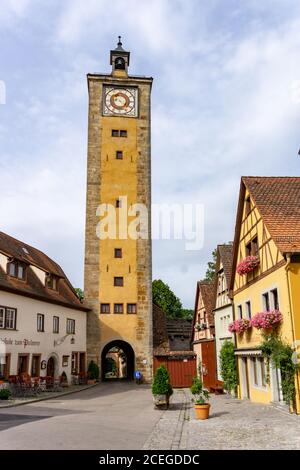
(287, 269)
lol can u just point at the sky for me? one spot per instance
(225, 103)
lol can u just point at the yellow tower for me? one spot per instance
(118, 271)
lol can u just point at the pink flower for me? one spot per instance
(266, 320)
(247, 265)
(239, 326)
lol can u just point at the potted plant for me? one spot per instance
(161, 387)
(201, 397)
(92, 373)
(5, 394)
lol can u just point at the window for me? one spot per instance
(40, 322)
(16, 269)
(274, 299)
(8, 317)
(118, 252)
(70, 326)
(35, 365)
(254, 371)
(51, 281)
(262, 366)
(248, 309)
(55, 324)
(119, 155)
(118, 281)
(131, 308)
(118, 308)
(252, 247)
(2, 317)
(74, 363)
(266, 301)
(115, 133)
(65, 361)
(118, 203)
(123, 133)
(240, 311)
(248, 205)
(105, 308)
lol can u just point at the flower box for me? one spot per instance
(267, 320)
(239, 326)
(247, 265)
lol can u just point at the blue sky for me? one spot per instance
(225, 103)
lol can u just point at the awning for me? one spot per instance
(248, 352)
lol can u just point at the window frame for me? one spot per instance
(121, 278)
(118, 250)
(129, 305)
(117, 307)
(4, 314)
(55, 330)
(119, 155)
(17, 265)
(102, 305)
(70, 331)
(40, 316)
(248, 309)
(240, 311)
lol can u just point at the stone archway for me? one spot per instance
(117, 361)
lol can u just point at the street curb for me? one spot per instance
(55, 395)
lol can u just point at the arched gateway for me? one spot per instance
(117, 361)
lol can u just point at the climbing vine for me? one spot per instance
(228, 366)
(280, 354)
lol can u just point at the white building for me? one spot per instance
(223, 311)
(42, 321)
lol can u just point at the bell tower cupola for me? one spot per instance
(119, 60)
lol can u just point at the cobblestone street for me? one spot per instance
(233, 424)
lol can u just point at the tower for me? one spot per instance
(118, 271)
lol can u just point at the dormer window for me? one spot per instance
(119, 63)
(16, 269)
(51, 281)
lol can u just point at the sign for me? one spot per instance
(19, 342)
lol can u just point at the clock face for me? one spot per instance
(120, 101)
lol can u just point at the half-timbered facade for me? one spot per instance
(266, 276)
(203, 333)
(223, 310)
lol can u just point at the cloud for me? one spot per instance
(222, 106)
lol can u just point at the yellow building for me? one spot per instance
(118, 277)
(268, 230)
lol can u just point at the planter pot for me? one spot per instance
(91, 382)
(202, 411)
(161, 401)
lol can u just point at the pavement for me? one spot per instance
(122, 416)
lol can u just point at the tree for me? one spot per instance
(211, 267)
(80, 293)
(187, 314)
(228, 366)
(165, 298)
(161, 384)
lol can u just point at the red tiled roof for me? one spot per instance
(225, 253)
(278, 201)
(32, 286)
(208, 295)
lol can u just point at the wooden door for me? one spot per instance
(181, 370)
(209, 365)
(50, 367)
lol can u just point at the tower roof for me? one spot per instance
(119, 51)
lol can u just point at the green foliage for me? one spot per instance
(201, 395)
(166, 299)
(187, 314)
(211, 267)
(80, 294)
(228, 366)
(161, 383)
(93, 371)
(274, 349)
(5, 394)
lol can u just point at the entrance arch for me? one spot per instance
(51, 366)
(117, 361)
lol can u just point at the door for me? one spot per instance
(245, 378)
(82, 363)
(181, 370)
(36, 365)
(50, 367)
(23, 364)
(209, 365)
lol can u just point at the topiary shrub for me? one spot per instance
(93, 371)
(201, 395)
(5, 394)
(161, 383)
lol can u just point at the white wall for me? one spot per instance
(223, 317)
(26, 338)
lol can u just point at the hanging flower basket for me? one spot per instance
(247, 265)
(267, 320)
(239, 326)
